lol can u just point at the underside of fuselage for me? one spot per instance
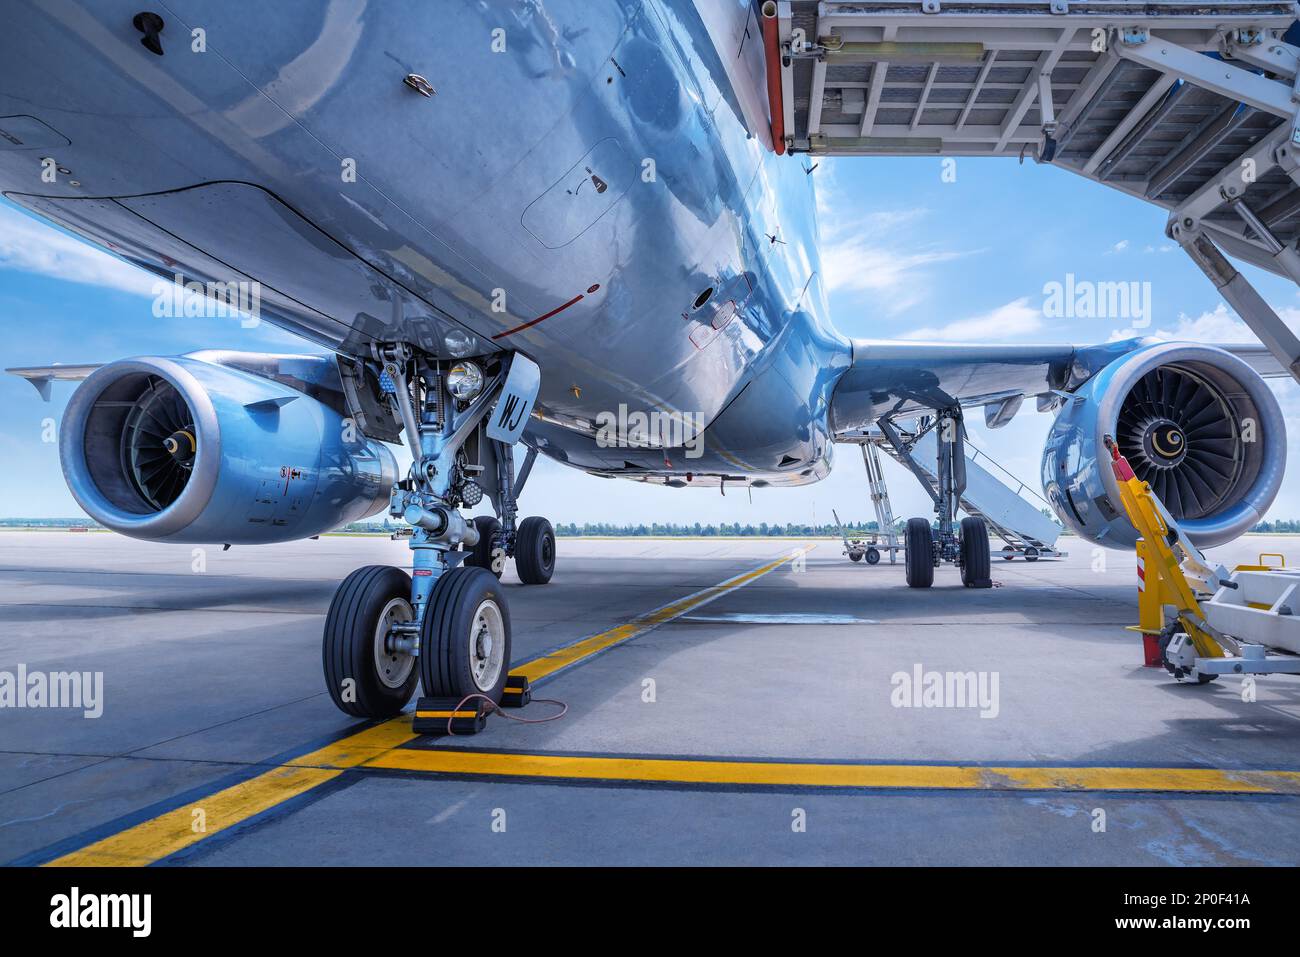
(575, 184)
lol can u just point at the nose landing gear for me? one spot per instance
(465, 639)
(367, 675)
(446, 625)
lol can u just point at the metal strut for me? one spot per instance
(880, 498)
(1241, 295)
(952, 480)
(903, 451)
(949, 482)
(508, 510)
(437, 428)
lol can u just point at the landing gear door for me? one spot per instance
(375, 418)
(516, 403)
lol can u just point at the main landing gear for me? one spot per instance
(447, 624)
(964, 543)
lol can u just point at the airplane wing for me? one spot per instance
(892, 377)
(41, 376)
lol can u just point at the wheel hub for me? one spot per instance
(392, 665)
(487, 644)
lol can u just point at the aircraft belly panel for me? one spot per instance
(123, 232)
(503, 76)
(250, 229)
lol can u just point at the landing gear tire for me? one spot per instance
(975, 559)
(855, 556)
(535, 551)
(465, 639)
(873, 556)
(480, 556)
(365, 678)
(919, 540)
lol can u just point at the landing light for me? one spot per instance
(465, 380)
(458, 343)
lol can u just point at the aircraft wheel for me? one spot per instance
(465, 638)
(855, 556)
(364, 677)
(873, 556)
(535, 551)
(1008, 553)
(975, 557)
(919, 540)
(480, 556)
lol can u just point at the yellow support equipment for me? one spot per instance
(1151, 601)
(1161, 564)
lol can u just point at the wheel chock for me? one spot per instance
(432, 714)
(518, 692)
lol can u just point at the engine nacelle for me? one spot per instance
(220, 447)
(1195, 422)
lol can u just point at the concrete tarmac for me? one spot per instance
(759, 723)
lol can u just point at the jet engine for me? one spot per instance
(1195, 422)
(220, 447)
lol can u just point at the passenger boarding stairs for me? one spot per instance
(992, 493)
(1017, 520)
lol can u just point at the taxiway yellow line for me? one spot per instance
(549, 664)
(183, 827)
(175, 830)
(791, 774)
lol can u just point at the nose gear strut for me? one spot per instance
(456, 637)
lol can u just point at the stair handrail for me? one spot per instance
(976, 452)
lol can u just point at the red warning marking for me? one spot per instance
(288, 472)
(558, 309)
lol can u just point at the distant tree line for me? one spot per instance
(1281, 525)
(699, 530)
(654, 529)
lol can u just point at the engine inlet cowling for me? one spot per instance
(1195, 422)
(220, 448)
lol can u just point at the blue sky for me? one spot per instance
(907, 254)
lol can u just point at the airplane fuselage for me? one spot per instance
(577, 185)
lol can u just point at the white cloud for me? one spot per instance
(826, 190)
(858, 265)
(1014, 320)
(30, 245)
(1119, 247)
(1220, 325)
(871, 251)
